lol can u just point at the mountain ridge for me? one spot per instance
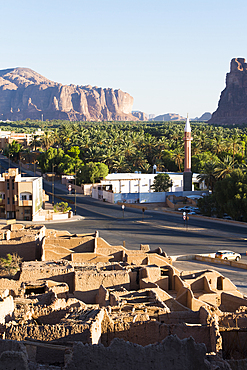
(25, 93)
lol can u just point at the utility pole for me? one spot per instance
(53, 185)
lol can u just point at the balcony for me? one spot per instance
(25, 203)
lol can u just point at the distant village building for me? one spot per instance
(7, 137)
(20, 197)
(137, 187)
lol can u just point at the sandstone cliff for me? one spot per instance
(232, 106)
(26, 94)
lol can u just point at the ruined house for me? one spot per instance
(82, 299)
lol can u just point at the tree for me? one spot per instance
(35, 142)
(13, 150)
(162, 182)
(209, 206)
(91, 173)
(224, 168)
(10, 265)
(199, 161)
(209, 175)
(231, 194)
(61, 207)
(46, 140)
(178, 157)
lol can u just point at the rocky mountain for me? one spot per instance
(232, 106)
(169, 117)
(140, 115)
(176, 117)
(204, 117)
(26, 94)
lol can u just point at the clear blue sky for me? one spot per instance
(171, 56)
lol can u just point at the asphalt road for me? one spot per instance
(161, 230)
(158, 230)
(155, 228)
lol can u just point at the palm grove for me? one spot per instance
(91, 150)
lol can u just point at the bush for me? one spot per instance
(61, 207)
(10, 265)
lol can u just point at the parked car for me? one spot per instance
(226, 217)
(228, 255)
(197, 210)
(186, 209)
(191, 213)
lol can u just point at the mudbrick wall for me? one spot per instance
(47, 332)
(87, 283)
(144, 333)
(172, 354)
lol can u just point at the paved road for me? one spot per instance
(162, 230)
(158, 230)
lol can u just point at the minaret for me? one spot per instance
(187, 186)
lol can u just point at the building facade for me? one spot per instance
(20, 197)
(136, 187)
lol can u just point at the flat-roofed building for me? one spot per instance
(20, 197)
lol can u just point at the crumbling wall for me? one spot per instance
(73, 332)
(76, 243)
(12, 285)
(171, 354)
(102, 247)
(28, 251)
(96, 326)
(92, 257)
(88, 282)
(231, 303)
(234, 320)
(190, 317)
(234, 344)
(6, 308)
(151, 331)
(60, 271)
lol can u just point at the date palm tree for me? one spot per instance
(208, 175)
(224, 167)
(178, 157)
(46, 139)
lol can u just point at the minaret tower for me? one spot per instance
(187, 157)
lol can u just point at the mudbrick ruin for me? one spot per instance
(79, 303)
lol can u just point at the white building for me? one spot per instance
(135, 187)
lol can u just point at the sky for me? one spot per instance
(171, 56)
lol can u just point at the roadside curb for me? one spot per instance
(208, 258)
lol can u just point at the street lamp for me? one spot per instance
(75, 190)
